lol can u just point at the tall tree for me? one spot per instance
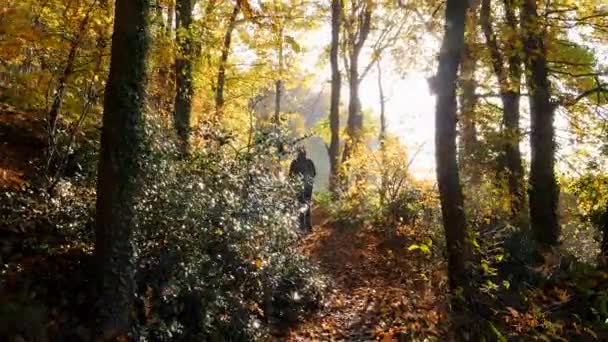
(543, 189)
(357, 28)
(508, 73)
(336, 83)
(382, 133)
(279, 82)
(62, 84)
(450, 191)
(221, 72)
(183, 74)
(468, 99)
(121, 145)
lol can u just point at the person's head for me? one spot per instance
(301, 152)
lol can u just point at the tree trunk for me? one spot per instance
(336, 83)
(543, 190)
(511, 101)
(183, 75)
(121, 146)
(221, 73)
(279, 82)
(512, 158)
(510, 84)
(354, 124)
(468, 100)
(382, 136)
(67, 72)
(450, 191)
(468, 104)
(382, 100)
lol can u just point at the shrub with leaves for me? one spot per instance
(379, 188)
(591, 208)
(216, 249)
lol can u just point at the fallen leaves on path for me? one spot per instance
(379, 290)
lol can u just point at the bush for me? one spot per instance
(217, 247)
(379, 189)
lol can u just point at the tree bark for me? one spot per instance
(354, 124)
(382, 102)
(509, 80)
(450, 191)
(279, 81)
(543, 191)
(468, 99)
(221, 73)
(511, 104)
(382, 136)
(336, 83)
(468, 104)
(183, 75)
(119, 169)
(512, 159)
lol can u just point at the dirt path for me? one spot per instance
(378, 289)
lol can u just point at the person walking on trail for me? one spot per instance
(304, 169)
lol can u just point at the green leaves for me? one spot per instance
(423, 247)
(295, 46)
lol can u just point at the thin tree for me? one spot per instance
(221, 72)
(279, 82)
(468, 99)
(509, 81)
(336, 83)
(382, 134)
(357, 29)
(450, 191)
(183, 74)
(358, 25)
(543, 191)
(62, 84)
(121, 145)
(68, 70)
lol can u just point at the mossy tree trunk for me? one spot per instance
(509, 80)
(119, 167)
(183, 74)
(543, 191)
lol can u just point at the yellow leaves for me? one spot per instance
(423, 247)
(259, 263)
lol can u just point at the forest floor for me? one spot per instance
(378, 288)
(22, 141)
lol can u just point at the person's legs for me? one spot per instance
(308, 218)
(302, 216)
(308, 198)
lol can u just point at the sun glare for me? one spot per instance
(410, 116)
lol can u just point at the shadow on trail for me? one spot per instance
(378, 288)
